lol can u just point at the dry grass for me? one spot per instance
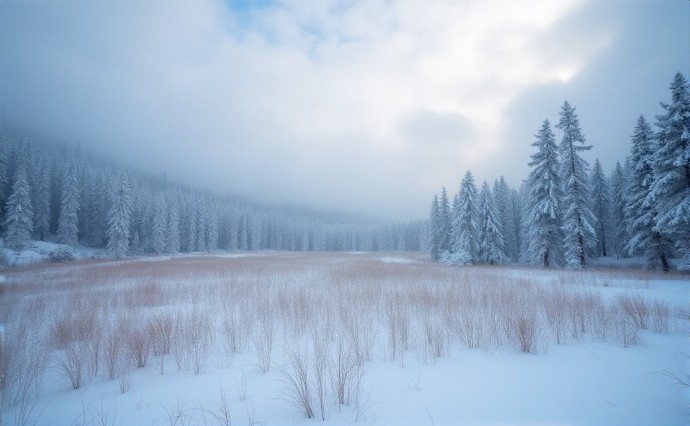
(318, 317)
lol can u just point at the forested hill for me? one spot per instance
(58, 193)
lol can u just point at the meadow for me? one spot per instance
(339, 338)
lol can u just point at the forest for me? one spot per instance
(565, 212)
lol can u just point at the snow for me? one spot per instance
(39, 251)
(586, 381)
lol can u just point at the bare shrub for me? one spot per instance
(112, 347)
(138, 345)
(124, 376)
(526, 332)
(625, 330)
(24, 357)
(636, 308)
(660, 316)
(221, 410)
(194, 337)
(161, 328)
(346, 374)
(72, 362)
(263, 338)
(295, 380)
(555, 306)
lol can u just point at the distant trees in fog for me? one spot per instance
(565, 213)
(64, 196)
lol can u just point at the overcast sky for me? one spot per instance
(359, 106)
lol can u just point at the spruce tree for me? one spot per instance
(435, 231)
(68, 229)
(158, 226)
(445, 223)
(172, 244)
(19, 212)
(542, 214)
(465, 226)
(578, 220)
(119, 217)
(645, 238)
(601, 204)
(504, 206)
(617, 184)
(42, 201)
(670, 191)
(491, 243)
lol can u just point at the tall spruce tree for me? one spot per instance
(543, 206)
(435, 231)
(601, 204)
(617, 183)
(68, 229)
(42, 200)
(119, 217)
(445, 223)
(504, 206)
(19, 212)
(670, 191)
(578, 220)
(645, 238)
(158, 226)
(465, 224)
(491, 243)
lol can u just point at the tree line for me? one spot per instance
(60, 194)
(565, 212)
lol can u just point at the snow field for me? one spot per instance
(340, 338)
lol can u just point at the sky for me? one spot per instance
(363, 107)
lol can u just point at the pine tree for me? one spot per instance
(601, 204)
(445, 223)
(435, 231)
(212, 234)
(119, 217)
(504, 206)
(491, 244)
(645, 239)
(19, 213)
(617, 183)
(578, 220)
(42, 201)
(543, 208)
(158, 225)
(172, 244)
(465, 226)
(670, 191)
(69, 206)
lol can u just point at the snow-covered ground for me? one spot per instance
(378, 339)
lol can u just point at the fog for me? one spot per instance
(364, 107)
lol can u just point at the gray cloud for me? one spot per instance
(365, 109)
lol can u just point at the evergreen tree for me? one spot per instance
(645, 239)
(19, 212)
(670, 191)
(542, 208)
(119, 217)
(4, 175)
(172, 244)
(42, 201)
(578, 220)
(159, 223)
(601, 204)
(491, 244)
(212, 234)
(435, 231)
(445, 223)
(618, 199)
(69, 206)
(504, 205)
(465, 226)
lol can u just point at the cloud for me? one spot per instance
(359, 106)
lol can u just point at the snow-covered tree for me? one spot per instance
(68, 230)
(601, 204)
(172, 242)
(670, 191)
(617, 187)
(19, 212)
(445, 223)
(212, 234)
(504, 206)
(578, 220)
(435, 231)
(41, 201)
(542, 208)
(645, 239)
(158, 226)
(491, 244)
(465, 223)
(119, 216)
